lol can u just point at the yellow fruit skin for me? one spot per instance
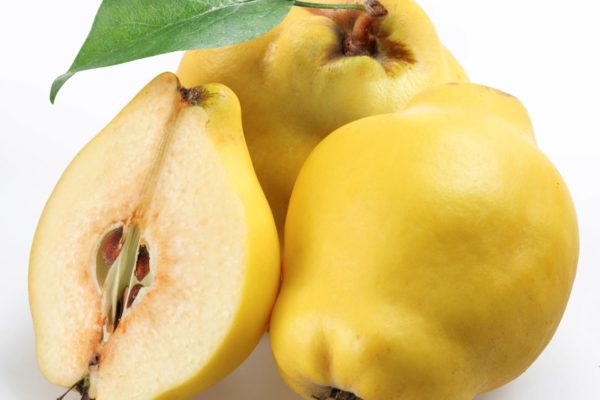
(429, 254)
(295, 85)
(261, 278)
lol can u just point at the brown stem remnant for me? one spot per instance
(375, 8)
(192, 96)
(337, 394)
(362, 40)
(82, 387)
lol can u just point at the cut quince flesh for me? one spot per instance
(155, 263)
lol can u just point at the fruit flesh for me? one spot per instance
(429, 254)
(296, 85)
(182, 174)
(86, 200)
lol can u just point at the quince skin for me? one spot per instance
(429, 254)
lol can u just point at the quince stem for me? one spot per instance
(82, 387)
(361, 40)
(372, 8)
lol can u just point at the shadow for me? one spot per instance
(502, 393)
(256, 379)
(19, 370)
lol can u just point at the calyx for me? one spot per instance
(336, 394)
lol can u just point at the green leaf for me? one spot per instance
(126, 30)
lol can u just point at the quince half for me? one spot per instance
(155, 263)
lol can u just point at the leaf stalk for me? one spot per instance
(305, 4)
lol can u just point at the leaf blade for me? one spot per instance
(127, 30)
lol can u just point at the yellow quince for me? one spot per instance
(317, 71)
(155, 264)
(429, 254)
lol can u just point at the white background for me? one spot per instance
(544, 52)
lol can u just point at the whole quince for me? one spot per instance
(317, 71)
(429, 254)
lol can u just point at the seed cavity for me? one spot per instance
(129, 273)
(124, 272)
(95, 360)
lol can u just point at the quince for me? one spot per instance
(155, 263)
(317, 71)
(429, 254)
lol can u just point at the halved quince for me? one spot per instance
(156, 260)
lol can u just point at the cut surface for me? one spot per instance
(100, 188)
(193, 228)
(199, 246)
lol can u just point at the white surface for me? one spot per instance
(544, 52)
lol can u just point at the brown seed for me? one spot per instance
(111, 247)
(142, 266)
(133, 293)
(192, 96)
